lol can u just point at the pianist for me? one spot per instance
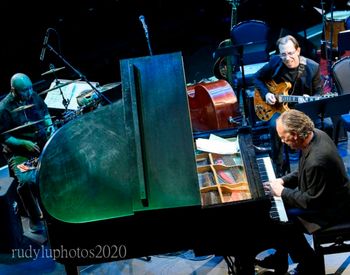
(22, 140)
(315, 195)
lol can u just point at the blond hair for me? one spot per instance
(295, 121)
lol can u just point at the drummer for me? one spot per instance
(22, 143)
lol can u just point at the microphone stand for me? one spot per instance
(65, 101)
(81, 76)
(149, 44)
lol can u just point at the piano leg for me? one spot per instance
(71, 269)
(230, 265)
(244, 265)
(240, 265)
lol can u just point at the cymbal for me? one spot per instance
(21, 108)
(58, 86)
(109, 86)
(30, 123)
(27, 124)
(52, 71)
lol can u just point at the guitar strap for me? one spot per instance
(301, 69)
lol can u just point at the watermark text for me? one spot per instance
(98, 252)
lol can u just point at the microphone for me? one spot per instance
(43, 49)
(142, 19)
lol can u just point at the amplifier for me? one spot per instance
(253, 118)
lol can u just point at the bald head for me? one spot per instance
(21, 85)
(19, 80)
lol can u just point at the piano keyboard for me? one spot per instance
(277, 210)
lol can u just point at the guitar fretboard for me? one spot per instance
(296, 98)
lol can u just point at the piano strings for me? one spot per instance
(222, 178)
(206, 179)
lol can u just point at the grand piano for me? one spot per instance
(123, 181)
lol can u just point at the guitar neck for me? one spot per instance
(296, 98)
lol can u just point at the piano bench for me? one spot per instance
(331, 240)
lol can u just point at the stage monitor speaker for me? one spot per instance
(11, 230)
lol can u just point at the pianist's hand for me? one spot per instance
(274, 187)
(277, 187)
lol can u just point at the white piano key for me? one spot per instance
(267, 173)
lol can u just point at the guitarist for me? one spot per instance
(304, 76)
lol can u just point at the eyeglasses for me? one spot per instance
(284, 55)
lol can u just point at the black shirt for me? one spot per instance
(10, 120)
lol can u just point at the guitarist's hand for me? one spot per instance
(270, 98)
(303, 99)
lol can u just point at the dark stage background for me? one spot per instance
(94, 35)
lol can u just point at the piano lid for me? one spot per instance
(82, 168)
(134, 155)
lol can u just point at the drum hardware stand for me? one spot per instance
(233, 56)
(329, 54)
(81, 76)
(65, 101)
(236, 53)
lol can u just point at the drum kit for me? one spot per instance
(21, 108)
(25, 125)
(336, 22)
(57, 87)
(92, 98)
(52, 70)
(87, 101)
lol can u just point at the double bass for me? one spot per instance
(213, 106)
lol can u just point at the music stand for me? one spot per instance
(237, 53)
(327, 107)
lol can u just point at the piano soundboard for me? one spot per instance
(267, 173)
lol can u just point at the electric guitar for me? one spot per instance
(265, 111)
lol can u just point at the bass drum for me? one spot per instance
(338, 23)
